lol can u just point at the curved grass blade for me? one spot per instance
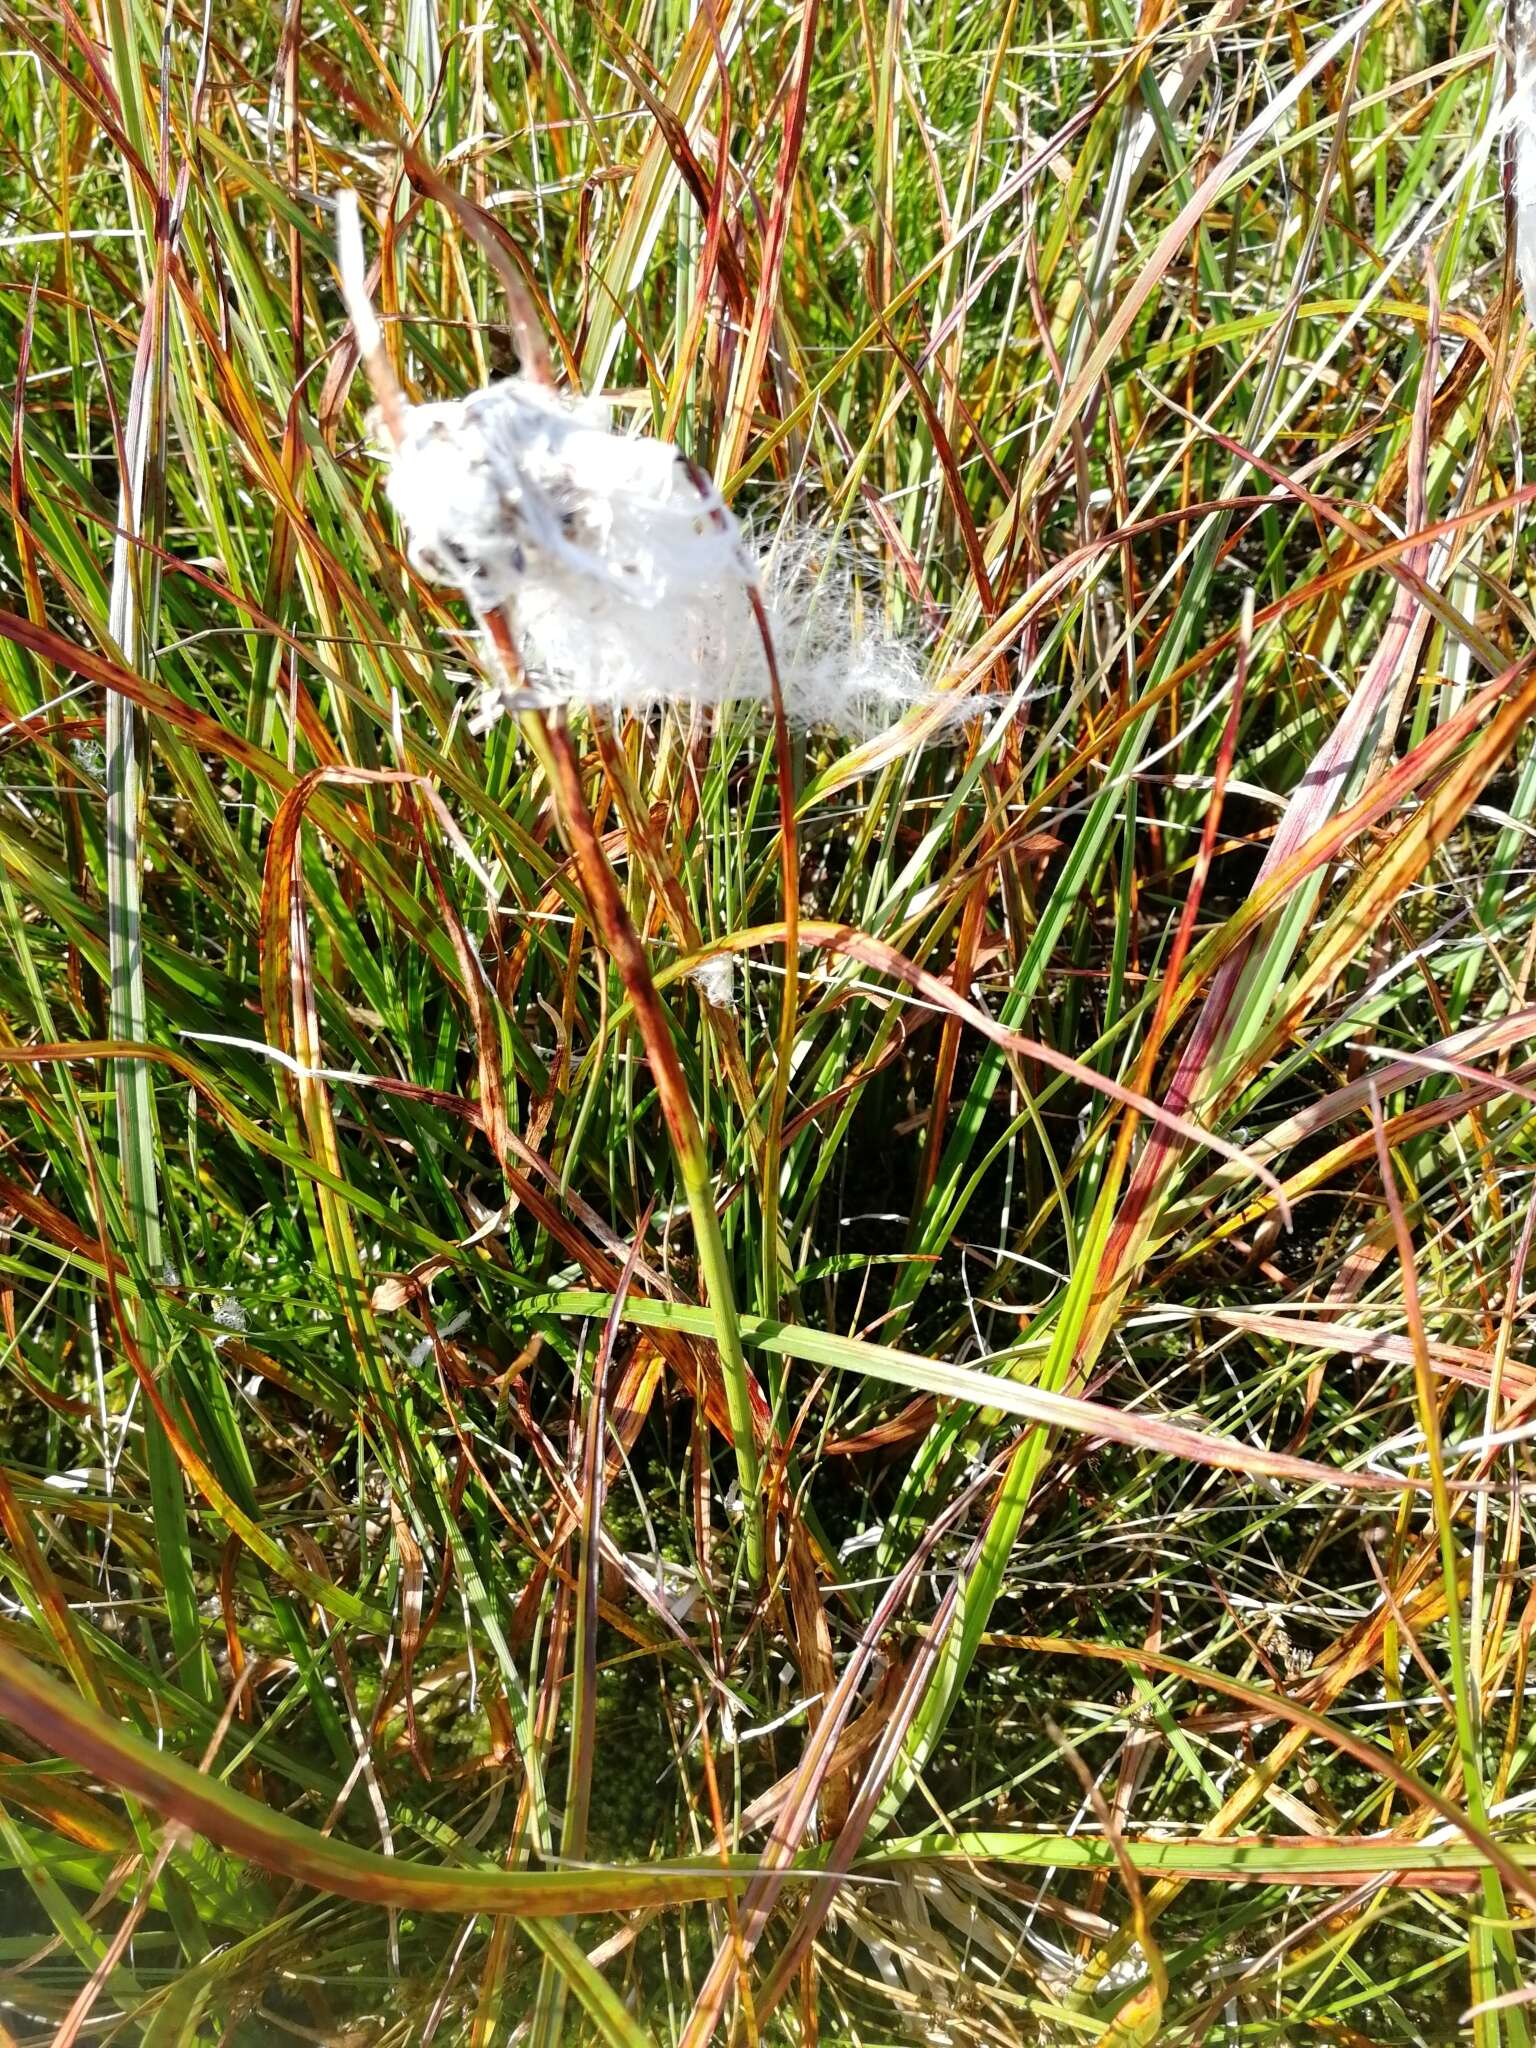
(65, 1724)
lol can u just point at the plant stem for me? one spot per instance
(551, 741)
(789, 1010)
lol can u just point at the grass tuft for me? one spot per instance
(669, 1377)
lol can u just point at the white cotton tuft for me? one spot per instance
(228, 1314)
(840, 664)
(522, 496)
(628, 583)
(1521, 27)
(715, 980)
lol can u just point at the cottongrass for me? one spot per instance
(715, 980)
(228, 1314)
(627, 581)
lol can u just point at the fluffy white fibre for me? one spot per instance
(627, 581)
(517, 491)
(840, 665)
(715, 980)
(228, 1314)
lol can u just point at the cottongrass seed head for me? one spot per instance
(628, 582)
(715, 980)
(626, 578)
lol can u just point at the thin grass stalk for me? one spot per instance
(789, 1007)
(789, 853)
(128, 1010)
(550, 739)
(1493, 1408)
(583, 1705)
